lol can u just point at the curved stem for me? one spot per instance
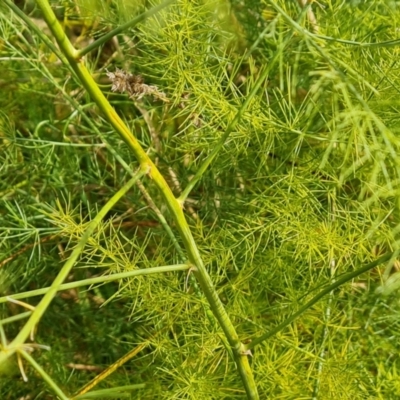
(339, 282)
(299, 28)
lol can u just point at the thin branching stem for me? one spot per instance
(94, 281)
(216, 149)
(328, 310)
(14, 318)
(339, 282)
(35, 29)
(130, 24)
(299, 28)
(111, 393)
(43, 374)
(162, 220)
(65, 270)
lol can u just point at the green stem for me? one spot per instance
(116, 31)
(345, 278)
(298, 27)
(173, 204)
(65, 270)
(162, 220)
(216, 148)
(93, 281)
(109, 393)
(35, 28)
(43, 374)
(14, 318)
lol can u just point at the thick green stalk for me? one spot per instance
(173, 204)
(340, 281)
(92, 281)
(65, 270)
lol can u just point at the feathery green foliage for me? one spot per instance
(302, 191)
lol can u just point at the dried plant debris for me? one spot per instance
(133, 85)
